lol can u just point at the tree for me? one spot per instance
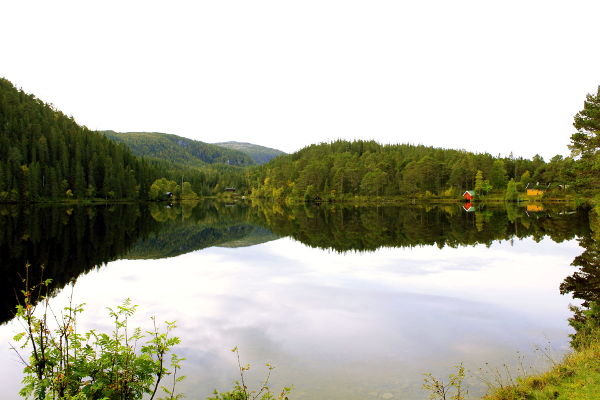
(511, 191)
(585, 143)
(187, 193)
(497, 175)
(479, 182)
(161, 187)
(525, 179)
(373, 182)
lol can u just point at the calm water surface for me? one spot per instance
(347, 303)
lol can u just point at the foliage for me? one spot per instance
(241, 391)
(162, 186)
(371, 169)
(164, 189)
(585, 143)
(187, 193)
(511, 193)
(586, 322)
(576, 377)
(453, 390)
(66, 364)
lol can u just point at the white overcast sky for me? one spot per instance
(486, 76)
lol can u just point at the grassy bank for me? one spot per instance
(577, 377)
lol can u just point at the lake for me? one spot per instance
(346, 302)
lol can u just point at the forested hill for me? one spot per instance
(179, 150)
(259, 154)
(330, 171)
(45, 155)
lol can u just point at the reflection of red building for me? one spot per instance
(469, 207)
(469, 195)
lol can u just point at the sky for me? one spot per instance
(485, 76)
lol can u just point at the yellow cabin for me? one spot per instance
(534, 192)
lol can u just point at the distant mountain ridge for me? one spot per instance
(178, 149)
(260, 154)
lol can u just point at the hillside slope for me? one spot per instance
(260, 154)
(178, 149)
(46, 155)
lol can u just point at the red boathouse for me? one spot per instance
(469, 195)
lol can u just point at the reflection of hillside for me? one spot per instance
(368, 228)
(65, 241)
(258, 235)
(176, 238)
(190, 227)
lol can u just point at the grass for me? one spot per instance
(577, 377)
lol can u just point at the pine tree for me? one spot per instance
(585, 143)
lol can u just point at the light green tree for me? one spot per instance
(479, 182)
(187, 193)
(161, 187)
(511, 191)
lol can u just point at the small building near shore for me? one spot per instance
(469, 195)
(534, 192)
(230, 190)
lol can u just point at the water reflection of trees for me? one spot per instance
(69, 241)
(189, 227)
(65, 241)
(584, 283)
(342, 228)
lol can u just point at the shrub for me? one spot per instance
(65, 364)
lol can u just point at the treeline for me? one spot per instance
(331, 171)
(341, 168)
(45, 155)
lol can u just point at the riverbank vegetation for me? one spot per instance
(577, 375)
(62, 363)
